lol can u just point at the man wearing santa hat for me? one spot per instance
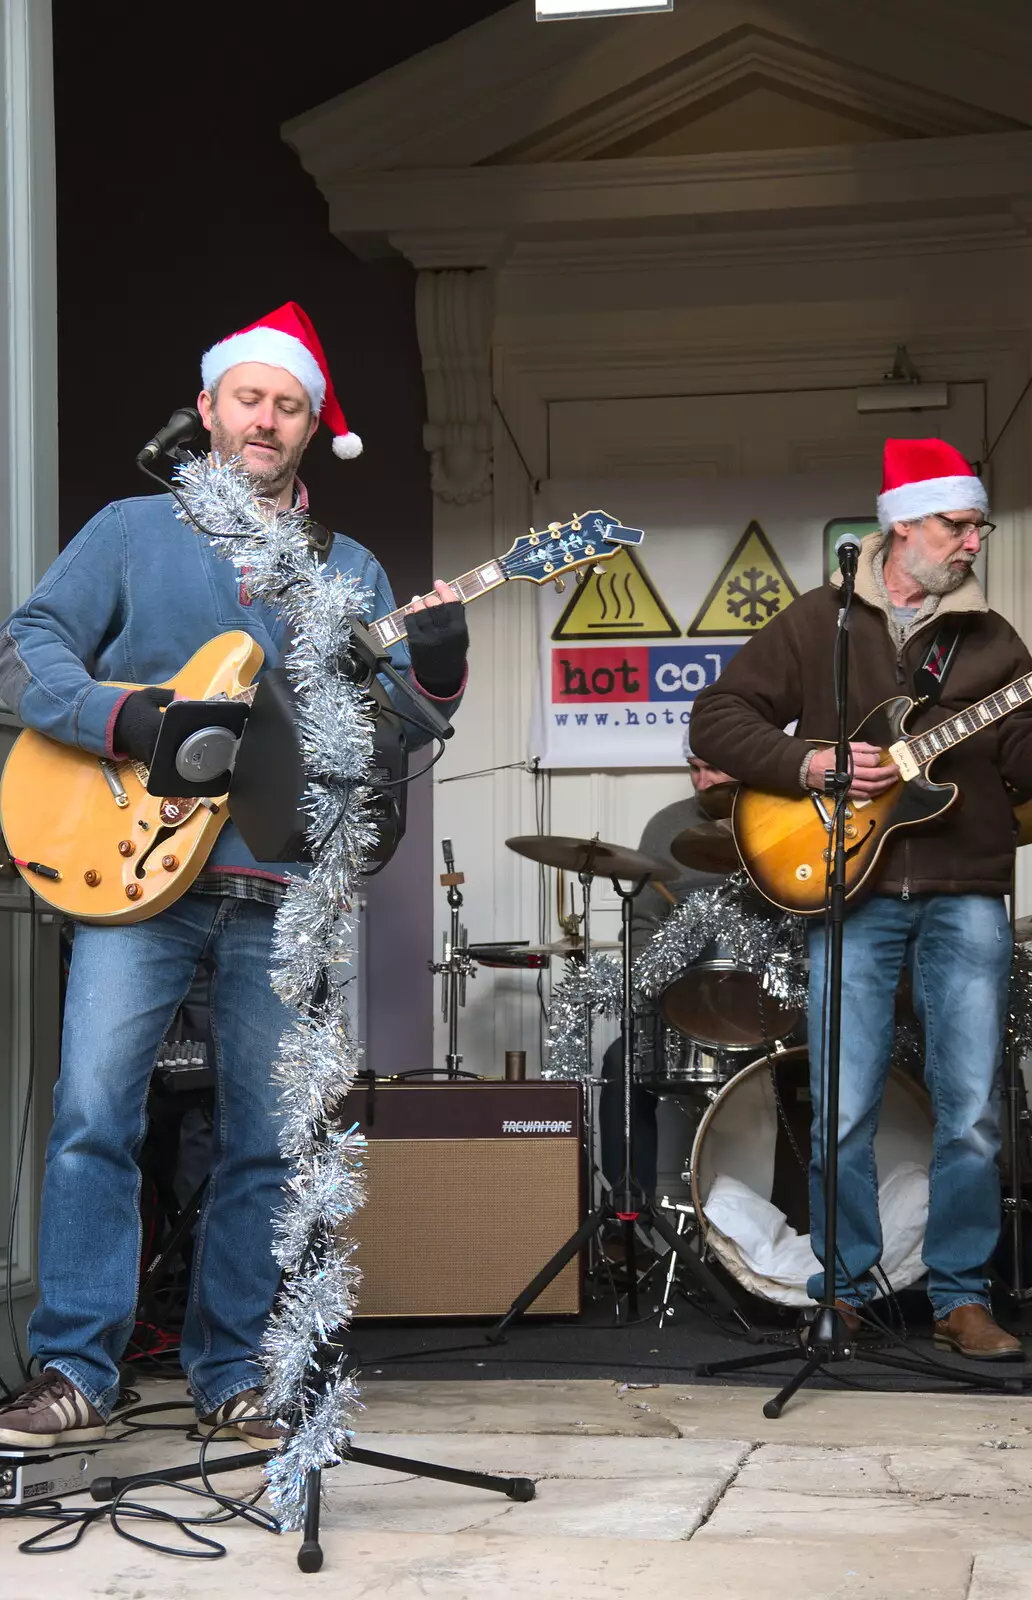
(938, 903)
(132, 597)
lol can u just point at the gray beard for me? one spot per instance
(268, 485)
(935, 577)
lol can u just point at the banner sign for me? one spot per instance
(623, 657)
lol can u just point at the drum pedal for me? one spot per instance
(29, 1476)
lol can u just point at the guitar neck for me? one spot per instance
(925, 746)
(390, 629)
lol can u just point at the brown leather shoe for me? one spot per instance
(853, 1325)
(971, 1331)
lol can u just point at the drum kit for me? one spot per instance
(734, 1060)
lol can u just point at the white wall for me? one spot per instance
(647, 358)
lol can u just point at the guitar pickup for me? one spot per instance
(908, 767)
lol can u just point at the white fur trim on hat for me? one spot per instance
(274, 349)
(347, 446)
(913, 500)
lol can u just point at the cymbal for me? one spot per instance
(718, 801)
(589, 855)
(709, 847)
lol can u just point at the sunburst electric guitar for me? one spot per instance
(90, 839)
(785, 842)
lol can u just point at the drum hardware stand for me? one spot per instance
(627, 1203)
(827, 1341)
(684, 1211)
(457, 964)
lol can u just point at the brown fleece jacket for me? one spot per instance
(784, 673)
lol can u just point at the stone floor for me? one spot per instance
(673, 1490)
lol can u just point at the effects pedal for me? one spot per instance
(27, 1476)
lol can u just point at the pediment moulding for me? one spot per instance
(508, 84)
(955, 177)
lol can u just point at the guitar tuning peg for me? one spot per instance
(598, 570)
(560, 585)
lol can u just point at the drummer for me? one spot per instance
(651, 907)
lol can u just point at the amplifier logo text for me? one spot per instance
(511, 1125)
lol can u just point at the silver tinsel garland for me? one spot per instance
(723, 917)
(599, 985)
(317, 1057)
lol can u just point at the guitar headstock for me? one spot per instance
(565, 546)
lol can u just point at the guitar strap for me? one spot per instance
(320, 539)
(930, 677)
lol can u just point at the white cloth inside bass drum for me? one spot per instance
(735, 1150)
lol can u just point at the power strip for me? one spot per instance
(27, 1476)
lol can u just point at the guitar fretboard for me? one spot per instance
(389, 629)
(961, 726)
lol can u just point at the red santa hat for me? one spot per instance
(920, 476)
(285, 338)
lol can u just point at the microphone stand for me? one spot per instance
(827, 1340)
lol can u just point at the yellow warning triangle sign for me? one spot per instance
(753, 587)
(620, 602)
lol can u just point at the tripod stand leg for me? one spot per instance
(310, 1556)
(773, 1408)
(514, 1488)
(550, 1270)
(697, 1268)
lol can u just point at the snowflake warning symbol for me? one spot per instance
(752, 587)
(754, 596)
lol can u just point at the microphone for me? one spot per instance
(449, 855)
(182, 425)
(847, 548)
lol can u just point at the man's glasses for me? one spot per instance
(961, 529)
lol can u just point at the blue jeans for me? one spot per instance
(124, 988)
(957, 949)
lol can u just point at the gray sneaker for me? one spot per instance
(244, 1417)
(47, 1411)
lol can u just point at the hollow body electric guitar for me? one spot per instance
(85, 833)
(784, 842)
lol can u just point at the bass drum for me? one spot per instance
(750, 1191)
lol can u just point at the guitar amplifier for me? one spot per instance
(470, 1189)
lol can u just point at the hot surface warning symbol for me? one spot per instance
(620, 602)
(752, 588)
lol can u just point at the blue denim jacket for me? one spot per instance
(131, 598)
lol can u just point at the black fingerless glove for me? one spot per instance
(438, 644)
(139, 722)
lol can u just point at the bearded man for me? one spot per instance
(131, 598)
(938, 903)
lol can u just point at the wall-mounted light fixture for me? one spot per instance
(901, 389)
(563, 10)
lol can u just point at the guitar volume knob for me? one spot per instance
(133, 891)
(170, 863)
(126, 847)
(92, 878)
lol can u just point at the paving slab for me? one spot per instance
(822, 1416)
(560, 1456)
(925, 1472)
(612, 1508)
(554, 1406)
(1002, 1573)
(480, 1566)
(773, 1515)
